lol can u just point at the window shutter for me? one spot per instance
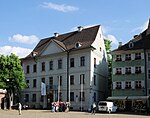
(114, 85)
(123, 85)
(133, 84)
(114, 71)
(142, 55)
(132, 56)
(142, 69)
(123, 70)
(132, 69)
(142, 84)
(123, 57)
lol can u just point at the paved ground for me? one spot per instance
(48, 114)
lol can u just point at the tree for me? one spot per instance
(109, 59)
(11, 75)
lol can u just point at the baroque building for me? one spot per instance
(71, 67)
(131, 73)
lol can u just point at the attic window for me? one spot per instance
(77, 45)
(131, 44)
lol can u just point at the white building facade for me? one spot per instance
(72, 66)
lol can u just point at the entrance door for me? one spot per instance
(128, 105)
(49, 100)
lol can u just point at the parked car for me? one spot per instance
(24, 106)
(106, 106)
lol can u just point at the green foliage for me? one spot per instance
(11, 73)
(109, 60)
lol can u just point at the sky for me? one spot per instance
(23, 23)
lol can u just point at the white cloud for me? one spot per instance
(59, 7)
(24, 39)
(113, 39)
(20, 52)
(141, 28)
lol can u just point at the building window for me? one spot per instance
(43, 66)
(28, 69)
(128, 57)
(149, 74)
(128, 70)
(131, 44)
(72, 62)
(34, 83)
(118, 58)
(128, 85)
(34, 68)
(27, 82)
(51, 65)
(95, 80)
(26, 97)
(149, 91)
(94, 97)
(82, 79)
(72, 80)
(118, 71)
(50, 82)
(82, 61)
(33, 97)
(82, 96)
(138, 84)
(137, 56)
(138, 69)
(100, 49)
(42, 98)
(43, 80)
(71, 96)
(148, 56)
(118, 85)
(59, 64)
(94, 62)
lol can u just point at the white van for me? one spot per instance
(107, 106)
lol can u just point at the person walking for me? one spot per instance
(93, 108)
(19, 108)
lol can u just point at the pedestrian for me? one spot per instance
(57, 106)
(67, 106)
(19, 108)
(93, 108)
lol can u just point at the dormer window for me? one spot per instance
(131, 44)
(77, 45)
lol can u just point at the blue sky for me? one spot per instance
(24, 22)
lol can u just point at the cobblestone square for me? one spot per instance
(48, 114)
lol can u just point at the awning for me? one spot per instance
(137, 97)
(117, 98)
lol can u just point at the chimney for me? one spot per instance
(80, 28)
(120, 44)
(56, 34)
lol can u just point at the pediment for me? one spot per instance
(52, 48)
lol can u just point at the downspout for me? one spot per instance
(68, 82)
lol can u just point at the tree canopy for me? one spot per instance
(11, 73)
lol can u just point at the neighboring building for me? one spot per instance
(131, 73)
(78, 58)
(2, 95)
